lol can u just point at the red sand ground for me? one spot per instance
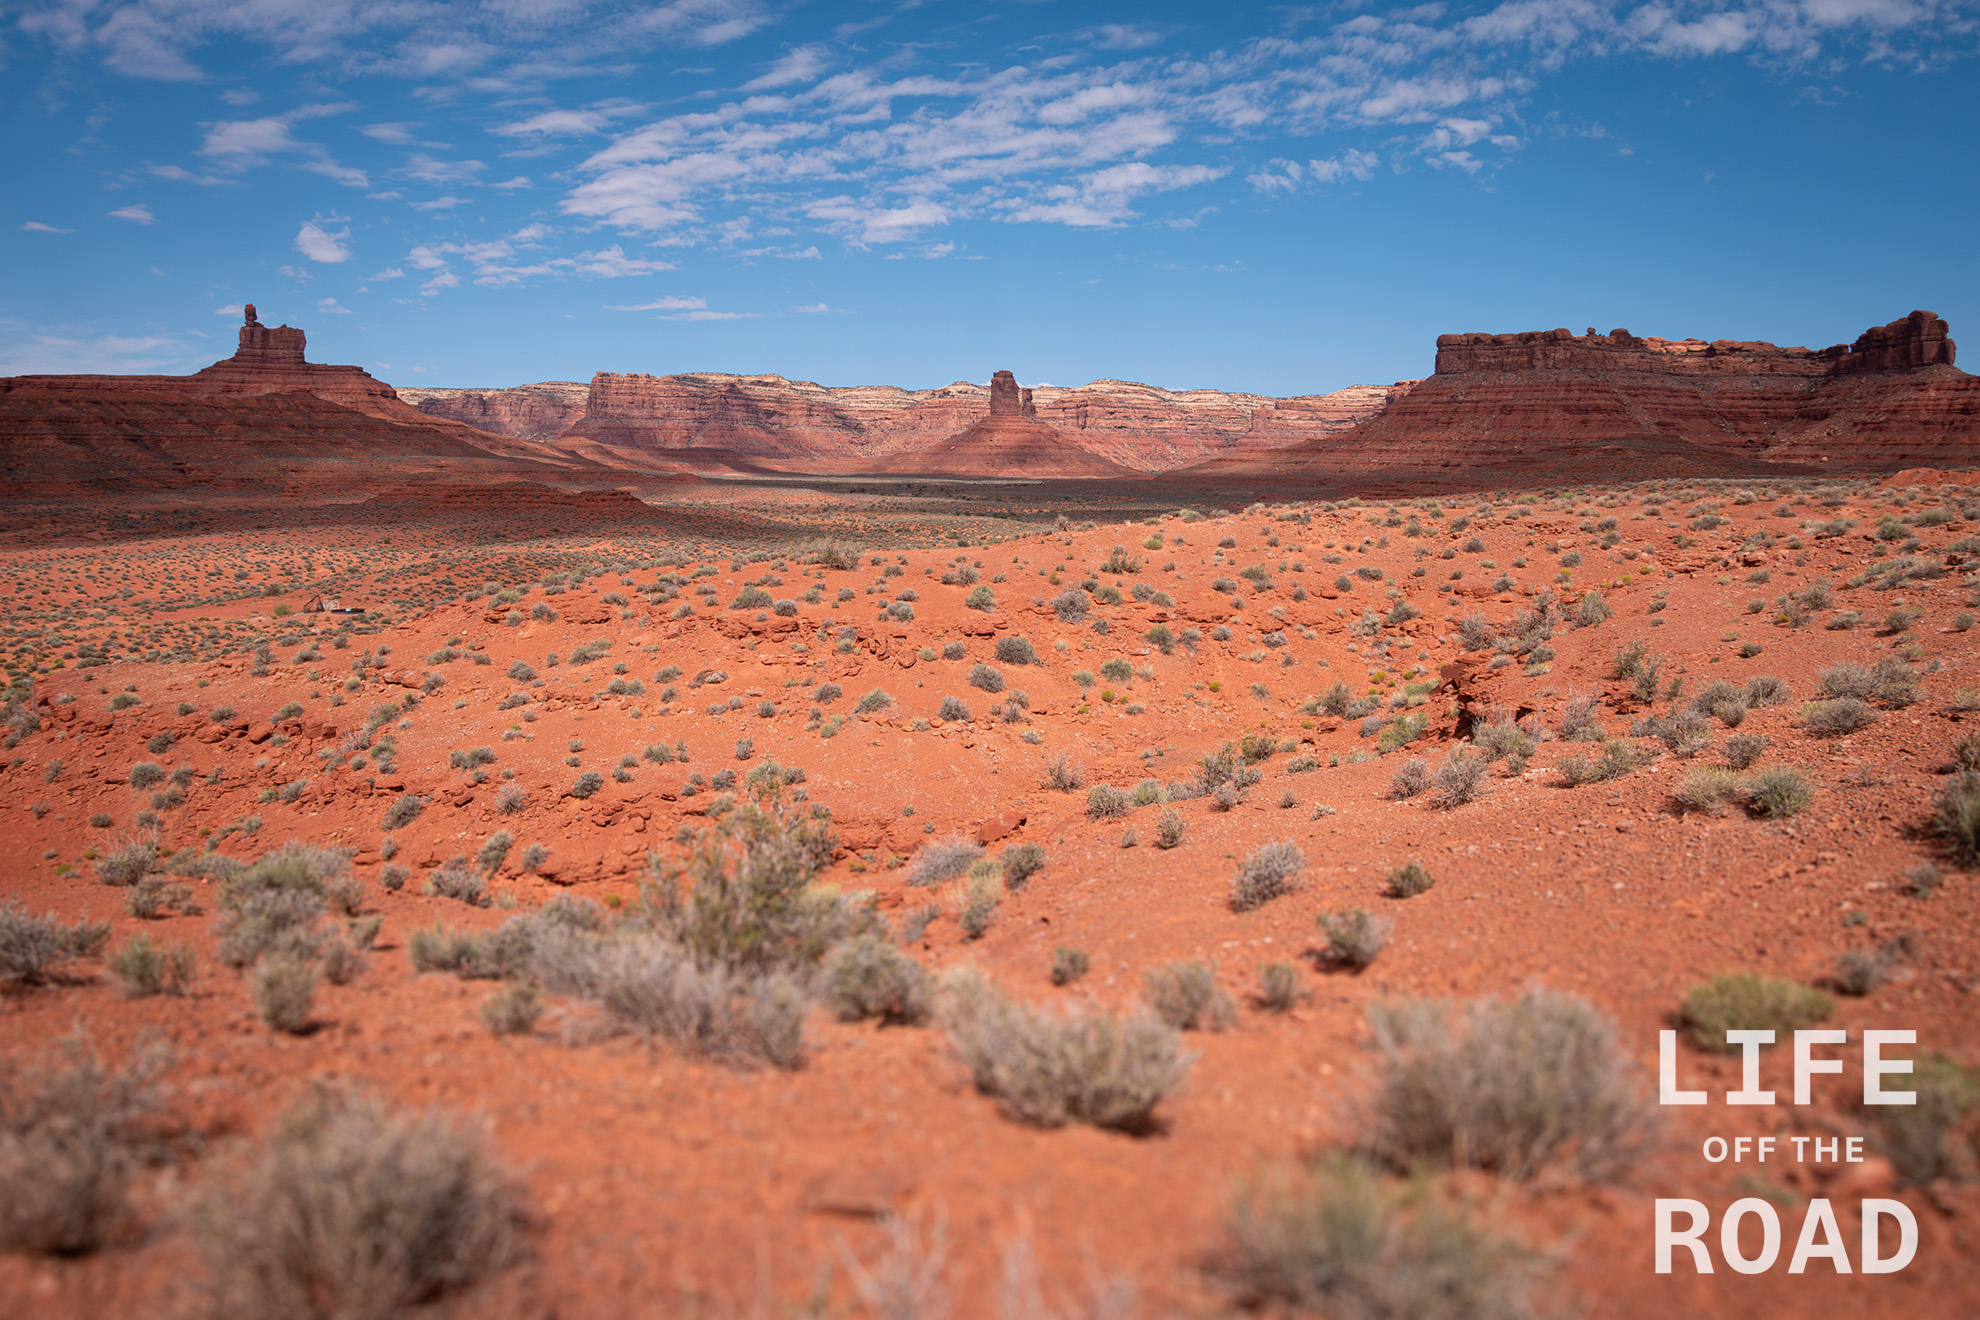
(665, 1183)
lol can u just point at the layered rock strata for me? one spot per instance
(528, 412)
(262, 423)
(1550, 401)
(773, 420)
(269, 360)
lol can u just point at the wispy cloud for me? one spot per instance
(238, 145)
(36, 227)
(137, 213)
(668, 304)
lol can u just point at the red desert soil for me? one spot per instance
(669, 1184)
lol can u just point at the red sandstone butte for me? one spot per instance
(1544, 402)
(263, 422)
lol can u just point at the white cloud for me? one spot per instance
(802, 64)
(120, 355)
(36, 227)
(705, 22)
(137, 213)
(389, 273)
(446, 279)
(238, 145)
(668, 304)
(319, 244)
(427, 169)
(446, 203)
(396, 134)
(233, 311)
(876, 224)
(331, 307)
(1100, 199)
(1289, 175)
(814, 309)
(512, 185)
(1123, 36)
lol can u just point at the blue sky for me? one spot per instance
(1277, 198)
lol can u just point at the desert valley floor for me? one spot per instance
(1633, 737)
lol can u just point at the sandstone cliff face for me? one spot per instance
(264, 422)
(529, 412)
(800, 423)
(1504, 409)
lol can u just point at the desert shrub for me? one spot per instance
(511, 798)
(869, 978)
(1747, 1001)
(1106, 802)
(1707, 789)
(1618, 757)
(1049, 1069)
(1831, 719)
(1355, 938)
(1335, 1239)
(513, 1010)
(952, 709)
(1169, 827)
(72, 1131)
(282, 987)
(1457, 780)
(1266, 873)
(842, 555)
(1019, 862)
(872, 701)
(743, 898)
(653, 987)
(1503, 738)
(1778, 792)
(354, 1210)
(1932, 1138)
(981, 598)
(944, 860)
(1015, 651)
(1064, 774)
(1186, 996)
(1071, 605)
(469, 758)
(1847, 680)
(827, 693)
(274, 906)
(1069, 965)
(127, 861)
(984, 677)
(1410, 778)
(1475, 631)
(1743, 749)
(1590, 610)
(1517, 1087)
(404, 810)
(148, 967)
(1404, 731)
(1765, 690)
(1685, 733)
(457, 879)
(1956, 817)
(1581, 720)
(494, 851)
(1279, 990)
(1409, 880)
